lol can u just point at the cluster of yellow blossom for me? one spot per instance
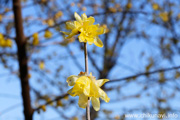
(48, 34)
(86, 28)
(35, 39)
(1, 17)
(164, 16)
(155, 6)
(41, 65)
(87, 87)
(5, 43)
(58, 14)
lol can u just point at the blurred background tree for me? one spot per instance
(140, 56)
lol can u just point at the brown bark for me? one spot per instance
(22, 58)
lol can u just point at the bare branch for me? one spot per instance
(145, 73)
(96, 14)
(49, 102)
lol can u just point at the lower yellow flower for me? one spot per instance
(87, 87)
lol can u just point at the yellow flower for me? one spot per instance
(86, 28)
(41, 65)
(5, 43)
(50, 22)
(8, 43)
(48, 34)
(2, 41)
(1, 17)
(87, 86)
(43, 107)
(164, 16)
(129, 5)
(59, 103)
(155, 6)
(35, 39)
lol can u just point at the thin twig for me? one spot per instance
(145, 73)
(74, 58)
(49, 102)
(94, 63)
(86, 69)
(10, 108)
(115, 80)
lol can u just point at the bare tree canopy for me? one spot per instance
(140, 57)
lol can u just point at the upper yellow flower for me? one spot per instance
(87, 30)
(87, 86)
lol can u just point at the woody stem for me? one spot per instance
(86, 70)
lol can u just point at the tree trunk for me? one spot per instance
(22, 58)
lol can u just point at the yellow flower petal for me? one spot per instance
(84, 82)
(35, 41)
(83, 99)
(47, 34)
(74, 32)
(103, 95)
(77, 17)
(98, 42)
(71, 80)
(100, 82)
(90, 40)
(70, 25)
(66, 33)
(84, 17)
(91, 20)
(95, 103)
(2, 43)
(41, 65)
(77, 24)
(94, 89)
(72, 93)
(164, 16)
(35, 36)
(8, 43)
(82, 85)
(82, 38)
(1, 36)
(77, 89)
(100, 30)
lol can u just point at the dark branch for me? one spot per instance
(145, 73)
(49, 102)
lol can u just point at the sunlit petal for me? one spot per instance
(85, 84)
(77, 24)
(103, 95)
(90, 40)
(82, 38)
(91, 20)
(71, 80)
(82, 101)
(94, 89)
(66, 33)
(77, 17)
(95, 103)
(70, 25)
(100, 31)
(84, 16)
(72, 93)
(100, 82)
(98, 42)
